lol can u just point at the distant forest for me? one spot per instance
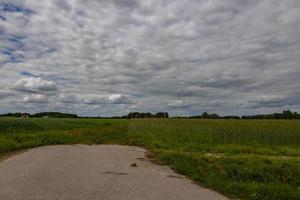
(41, 115)
(286, 114)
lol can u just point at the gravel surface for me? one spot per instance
(81, 172)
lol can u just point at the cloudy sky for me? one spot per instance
(110, 57)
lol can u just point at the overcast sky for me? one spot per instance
(110, 57)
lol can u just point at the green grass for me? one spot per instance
(246, 159)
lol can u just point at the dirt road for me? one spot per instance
(80, 172)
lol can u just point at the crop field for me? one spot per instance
(245, 159)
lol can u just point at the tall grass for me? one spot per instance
(18, 133)
(248, 159)
(244, 132)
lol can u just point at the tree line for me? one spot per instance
(147, 115)
(286, 114)
(41, 115)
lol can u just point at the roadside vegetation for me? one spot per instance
(245, 159)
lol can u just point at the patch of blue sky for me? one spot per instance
(45, 52)
(10, 7)
(16, 58)
(12, 56)
(60, 79)
(27, 73)
(7, 51)
(10, 44)
(57, 78)
(1, 31)
(50, 50)
(17, 40)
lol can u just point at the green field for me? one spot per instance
(245, 159)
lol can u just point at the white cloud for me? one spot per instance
(93, 99)
(119, 99)
(106, 99)
(177, 103)
(35, 98)
(34, 85)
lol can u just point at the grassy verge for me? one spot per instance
(242, 159)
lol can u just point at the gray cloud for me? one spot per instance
(267, 101)
(182, 56)
(69, 98)
(5, 93)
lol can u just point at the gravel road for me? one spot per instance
(96, 172)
